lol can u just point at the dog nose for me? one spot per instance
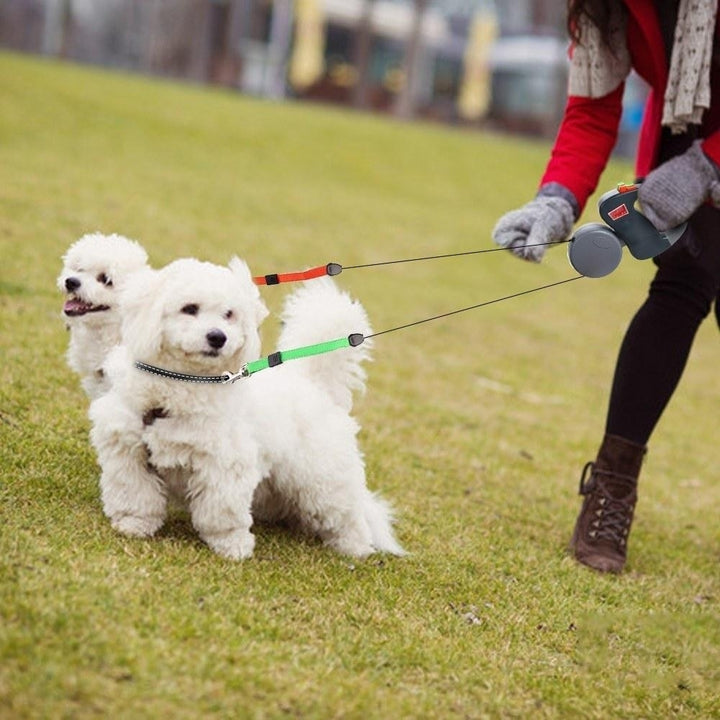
(216, 339)
(72, 283)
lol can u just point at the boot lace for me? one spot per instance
(612, 516)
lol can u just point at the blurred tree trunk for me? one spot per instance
(223, 65)
(281, 24)
(58, 28)
(405, 103)
(66, 25)
(362, 52)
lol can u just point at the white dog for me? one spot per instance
(324, 490)
(285, 431)
(94, 271)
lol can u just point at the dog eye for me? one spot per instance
(229, 315)
(104, 279)
(190, 309)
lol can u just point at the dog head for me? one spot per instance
(193, 316)
(94, 270)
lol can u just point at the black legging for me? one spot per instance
(657, 343)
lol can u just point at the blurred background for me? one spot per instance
(475, 63)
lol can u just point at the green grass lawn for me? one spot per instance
(476, 427)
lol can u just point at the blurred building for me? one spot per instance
(479, 62)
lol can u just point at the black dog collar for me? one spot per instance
(161, 372)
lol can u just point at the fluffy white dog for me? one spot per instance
(284, 432)
(94, 270)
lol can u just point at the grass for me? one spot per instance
(475, 427)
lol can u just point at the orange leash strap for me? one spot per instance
(330, 269)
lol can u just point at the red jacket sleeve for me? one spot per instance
(711, 147)
(585, 140)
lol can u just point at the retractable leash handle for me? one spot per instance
(595, 250)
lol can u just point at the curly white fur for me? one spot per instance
(95, 268)
(280, 432)
(325, 493)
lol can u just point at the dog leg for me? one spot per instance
(220, 510)
(346, 515)
(133, 497)
(352, 539)
(336, 516)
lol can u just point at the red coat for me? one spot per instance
(589, 128)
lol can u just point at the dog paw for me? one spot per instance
(135, 526)
(350, 546)
(236, 544)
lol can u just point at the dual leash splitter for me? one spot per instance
(594, 250)
(352, 340)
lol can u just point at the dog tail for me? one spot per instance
(317, 312)
(380, 516)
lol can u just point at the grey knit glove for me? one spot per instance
(549, 218)
(673, 191)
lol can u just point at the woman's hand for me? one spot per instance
(673, 191)
(526, 232)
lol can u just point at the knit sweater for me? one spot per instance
(589, 129)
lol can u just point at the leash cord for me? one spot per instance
(333, 268)
(473, 307)
(441, 257)
(352, 340)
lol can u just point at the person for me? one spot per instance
(673, 45)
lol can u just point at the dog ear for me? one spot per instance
(141, 307)
(242, 272)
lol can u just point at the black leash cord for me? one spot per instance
(441, 257)
(474, 307)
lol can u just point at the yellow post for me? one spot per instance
(307, 62)
(475, 91)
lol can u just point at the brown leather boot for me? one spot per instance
(610, 493)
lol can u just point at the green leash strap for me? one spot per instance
(277, 358)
